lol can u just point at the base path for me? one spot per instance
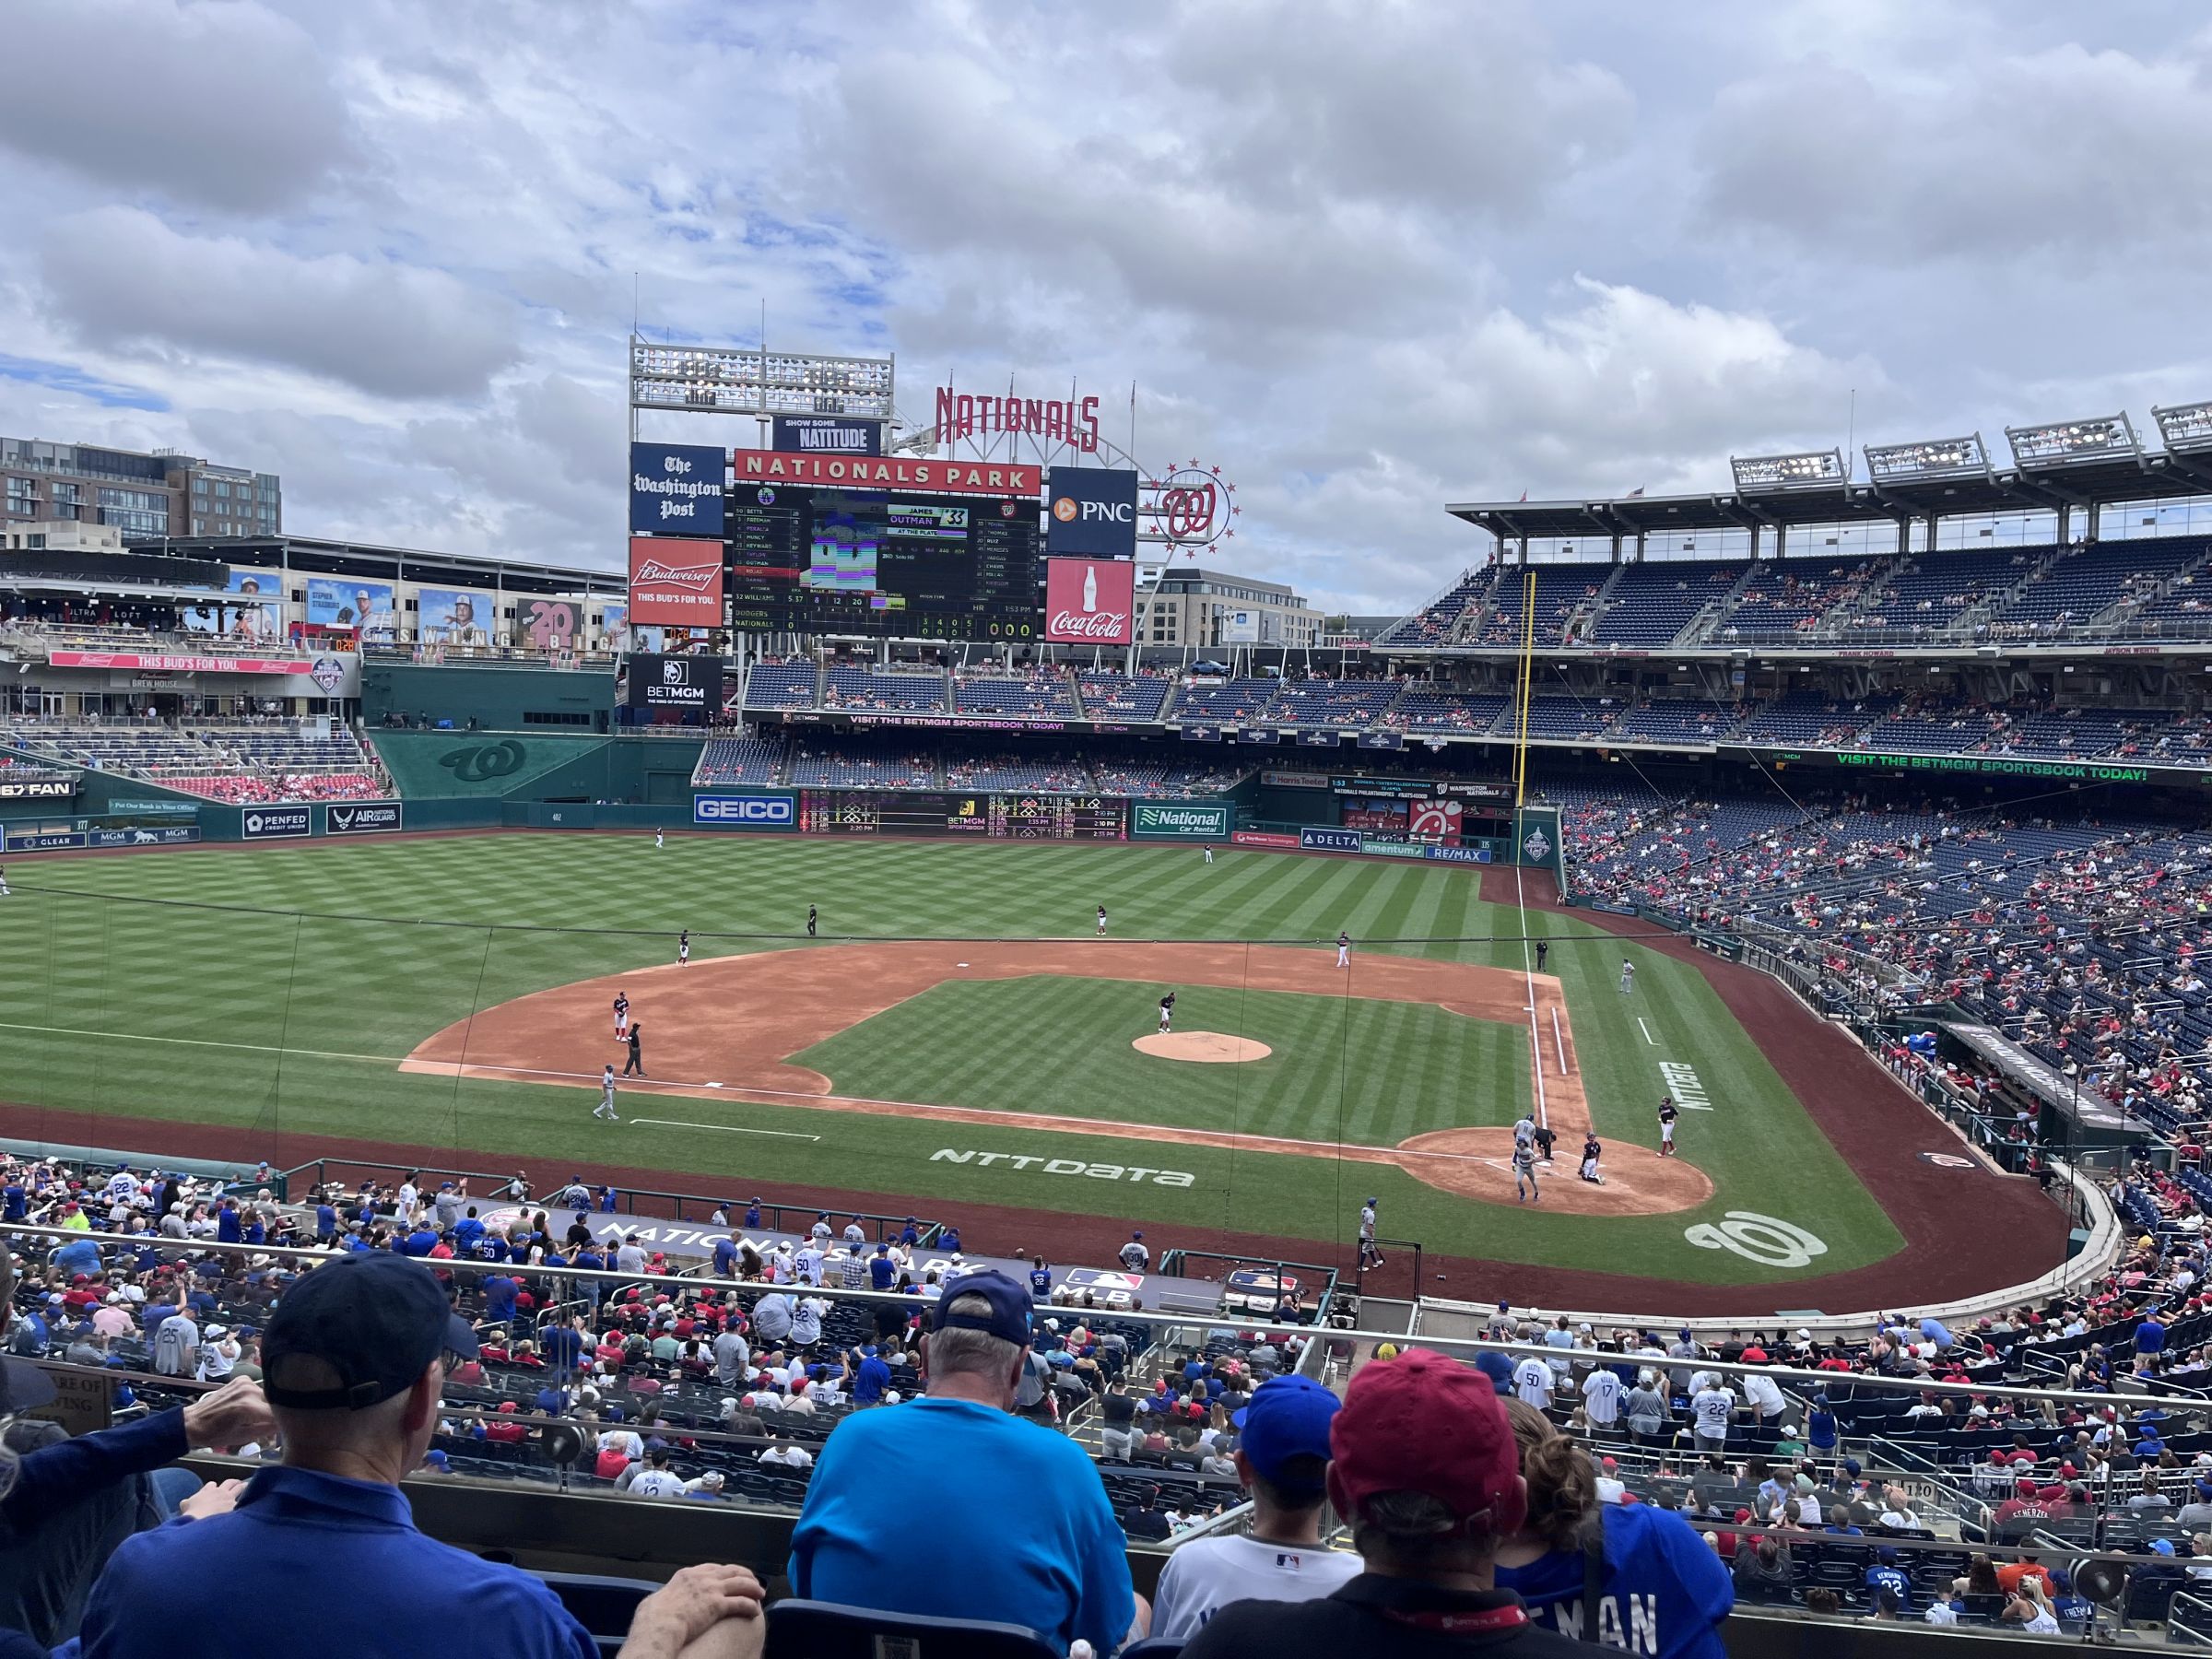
(729, 1022)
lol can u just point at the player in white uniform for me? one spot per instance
(1102, 921)
(1280, 1458)
(621, 1015)
(605, 1109)
(1627, 976)
(1667, 1126)
(1209, 855)
(683, 947)
(1344, 949)
(1370, 1255)
(3, 884)
(1591, 1152)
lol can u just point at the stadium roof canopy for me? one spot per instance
(2065, 466)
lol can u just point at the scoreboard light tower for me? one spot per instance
(1773, 475)
(1932, 460)
(2186, 427)
(746, 379)
(2100, 438)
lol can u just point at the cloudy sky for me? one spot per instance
(1367, 257)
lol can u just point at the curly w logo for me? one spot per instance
(486, 763)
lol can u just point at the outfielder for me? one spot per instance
(605, 1109)
(621, 1015)
(683, 947)
(1344, 949)
(3, 884)
(1102, 921)
(1627, 976)
(1167, 1010)
(1667, 1126)
(657, 840)
(1209, 855)
(812, 917)
(1591, 1152)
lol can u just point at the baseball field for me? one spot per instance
(959, 1041)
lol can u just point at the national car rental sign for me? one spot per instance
(675, 581)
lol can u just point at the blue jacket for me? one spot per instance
(1664, 1592)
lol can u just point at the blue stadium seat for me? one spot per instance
(813, 1629)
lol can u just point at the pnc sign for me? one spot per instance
(1093, 512)
(1089, 601)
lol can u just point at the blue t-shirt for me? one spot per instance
(725, 1258)
(1665, 1592)
(1040, 1282)
(468, 1234)
(1499, 1368)
(869, 1382)
(1041, 1546)
(499, 1297)
(80, 1255)
(14, 1203)
(562, 1346)
(2150, 1337)
(380, 1586)
(227, 1226)
(327, 1220)
(1820, 1427)
(883, 1273)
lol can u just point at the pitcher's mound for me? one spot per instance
(1209, 1048)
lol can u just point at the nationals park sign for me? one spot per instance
(889, 472)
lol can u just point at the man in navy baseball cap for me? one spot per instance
(1282, 1456)
(357, 1331)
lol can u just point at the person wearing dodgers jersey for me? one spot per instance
(1281, 1460)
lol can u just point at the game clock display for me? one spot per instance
(820, 559)
(923, 812)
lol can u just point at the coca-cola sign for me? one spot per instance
(675, 581)
(1089, 601)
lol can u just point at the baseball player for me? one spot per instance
(1344, 949)
(1667, 1126)
(1102, 921)
(1627, 976)
(1167, 1010)
(621, 1015)
(1369, 1255)
(635, 1064)
(658, 842)
(1524, 1131)
(1135, 1257)
(3, 884)
(683, 948)
(1209, 855)
(605, 1109)
(1591, 1152)
(1524, 1173)
(1543, 950)
(811, 921)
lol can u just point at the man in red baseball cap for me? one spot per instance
(1424, 1465)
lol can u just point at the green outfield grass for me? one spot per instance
(276, 989)
(1344, 1068)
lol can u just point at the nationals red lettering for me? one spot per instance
(1071, 421)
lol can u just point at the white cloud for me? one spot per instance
(219, 104)
(125, 280)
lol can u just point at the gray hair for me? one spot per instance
(1413, 1529)
(958, 1350)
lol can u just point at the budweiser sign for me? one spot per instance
(675, 581)
(156, 663)
(1089, 601)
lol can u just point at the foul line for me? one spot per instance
(1647, 1031)
(725, 1128)
(258, 1048)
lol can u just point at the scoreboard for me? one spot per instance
(818, 559)
(923, 812)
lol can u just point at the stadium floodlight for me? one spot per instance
(1932, 458)
(735, 379)
(2102, 438)
(1814, 469)
(2185, 427)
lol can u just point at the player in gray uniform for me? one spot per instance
(1627, 976)
(605, 1109)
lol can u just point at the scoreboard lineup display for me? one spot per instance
(1003, 817)
(819, 558)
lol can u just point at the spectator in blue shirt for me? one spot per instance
(561, 1343)
(327, 1222)
(883, 1273)
(910, 1234)
(608, 1197)
(1041, 1546)
(499, 1297)
(725, 1257)
(1886, 1574)
(2150, 1334)
(870, 1378)
(78, 1255)
(1040, 1279)
(949, 1239)
(1821, 1429)
(354, 1358)
(752, 1214)
(468, 1232)
(15, 1203)
(226, 1222)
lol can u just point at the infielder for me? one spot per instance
(1167, 1010)
(1591, 1152)
(605, 1109)
(1667, 1126)
(1344, 949)
(1627, 976)
(1102, 921)
(621, 1015)
(1370, 1254)
(683, 948)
